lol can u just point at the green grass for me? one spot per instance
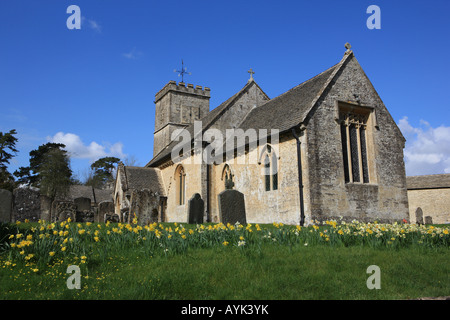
(268, 270)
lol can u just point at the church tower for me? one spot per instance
(177, 106)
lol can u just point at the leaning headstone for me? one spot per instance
(419, 216)
(428, 220)
(196, 209)
(232, 207)
(6, 203)
(104, 207)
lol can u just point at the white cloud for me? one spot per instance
(427, 149)
(78, 150)
(92, 24)
(133, 54)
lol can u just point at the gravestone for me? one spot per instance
(428, 220)
(6, 203)
(143, 204)
(46, 207)
(419, 216)
(111, 217)
(26, 204)
(63, 210)
(84, 210)
(104, 207)
(82, 203)
(232, 207)
(196, 209)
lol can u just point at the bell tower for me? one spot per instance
(177, 106)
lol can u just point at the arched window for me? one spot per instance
(180, 178)
(354, 144)
(270, 168)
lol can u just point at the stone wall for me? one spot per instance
(434, 203)
(6, 205)
(27, 204)
(384, 198)
(193, 184)
(261, 206)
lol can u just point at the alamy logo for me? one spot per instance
(74, 20)
(374, 281)
(74, 281)
(212, 147)
(374, 21)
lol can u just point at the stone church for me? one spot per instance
(326, 149)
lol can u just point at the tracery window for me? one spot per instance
(354, 145)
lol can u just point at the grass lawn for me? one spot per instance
(260, 270)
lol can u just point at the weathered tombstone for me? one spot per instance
(84, 210)
(112, 217)
(196, 209)
(428, 220)
(6, 203)
(63, 210)
(143, 204)
(232, 207)
(26, 204)
(46, 207)
(419, 216)
(104, 207)
(82, 203)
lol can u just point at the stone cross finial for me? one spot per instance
(348, 46)
(251, 74)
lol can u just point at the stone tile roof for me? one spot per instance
(140, 178)
(79, 191)
(288, 109)
(433, 181)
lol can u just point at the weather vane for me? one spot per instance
(182, 72)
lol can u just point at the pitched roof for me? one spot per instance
(144, 178)
(283, 112)
(292, 107)
(79, 191)
(207, 121)
(433, 181)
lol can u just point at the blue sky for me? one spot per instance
(94, 88)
